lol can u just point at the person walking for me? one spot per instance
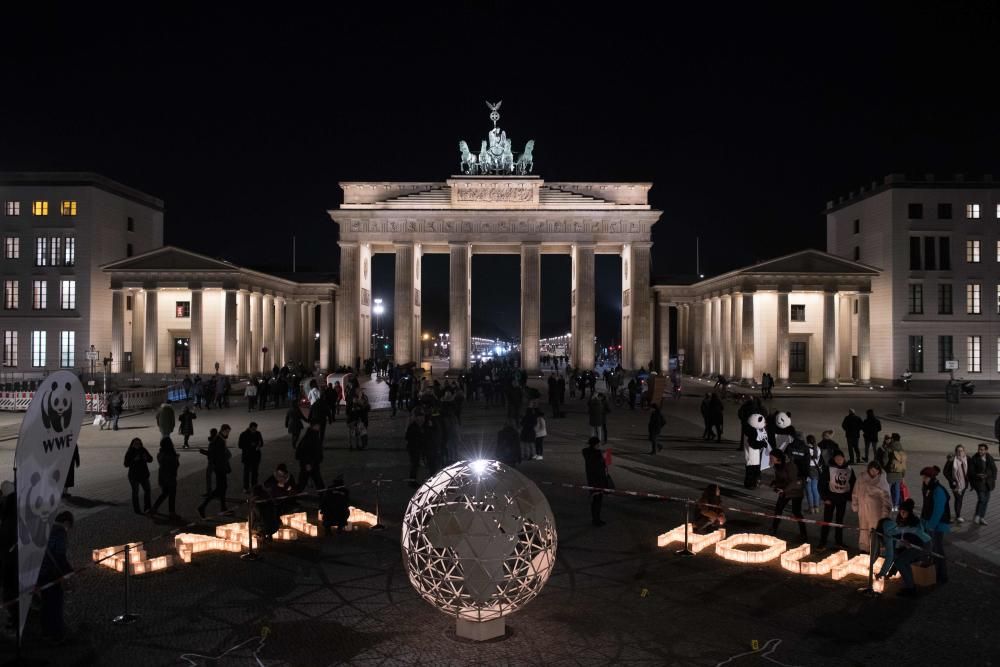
(936, 514)
(169, 461)
(54, 567)
(605, 411)
(540, 433)
(597, 476)
(251, 443)
(137, 460)
(117, 406)
(836, 487)
(870, 500)
(905, 543)
(895, 469)
(187, 425)
(595, 416)
(715, 417)
(789, 488)
(655, 425)
(218, 459)
(983, 477)
(165, 419)
(956, 471)
(852, 426)
(706, 433)
(293, 423)
(309, 454)
(870, 428)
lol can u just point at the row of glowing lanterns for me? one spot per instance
(231, 537)
(838, 565)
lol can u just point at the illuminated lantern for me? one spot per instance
(695, 542)
(361, 517)
(729, 548)
(298, 521)
(114, 559)
(188, 544)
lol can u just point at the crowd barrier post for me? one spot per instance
(687, 520)
(873, 551)
(378, 505)
(250, 554)
(126, 618)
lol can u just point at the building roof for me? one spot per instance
(79, 179)
(903, 182)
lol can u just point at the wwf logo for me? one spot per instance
(57, 407)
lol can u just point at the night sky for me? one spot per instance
(746, 120)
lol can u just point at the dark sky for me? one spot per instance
(747, 120)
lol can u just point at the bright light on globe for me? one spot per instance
(479, 540)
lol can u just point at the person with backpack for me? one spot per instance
(836, 486)
(936, 514)
(656, 422)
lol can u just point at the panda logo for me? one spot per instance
(41, 500)
(782, 420)
(57, 407)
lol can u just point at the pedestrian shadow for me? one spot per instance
(87, 503)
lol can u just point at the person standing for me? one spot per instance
(595, 416)
(414, 447)
(816, 466)
(262, 394)
(218, 460)
(508, 450)
(956, 471)
(293, 422)
(597, 476)
(983, 476)
(836, 487)
(74, 463)
(605, 411)
(655, 425)
(788, 486)
(540, 433)
(936, 514)
(166, 476)
(137, 460)
(251, 443)
(870, 499)
(251, 395)
(165, 420)
(187, 425)
(528, 434)
(117, 406)
(895, 469)
(852, 426)
(870, 428)
(54, 567)
(309, 454)
(715, 417)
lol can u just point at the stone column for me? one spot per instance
(844, 366)
(309, 339)
(685, 335)
(230, 365)
(641, 343)
(348, 304)
(583, 306)
(829, 338)
(243, 337)
(197, 344)
(293, 331)
(705, 333)
(268, 360)
(747, 350)
(325, 335)
(716, 334)
(736, 308)
(459, 306)
(138, 329)
(663, 317)
(403, 306)
(257, 332)
(864, 339)
(531, 269)
(117, 330)
(782, 337)
(150, 333)
(280, 353)
(726, 333)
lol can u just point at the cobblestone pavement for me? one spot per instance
(613, 599)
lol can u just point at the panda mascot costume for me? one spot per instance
(756, 449)
(782, 431)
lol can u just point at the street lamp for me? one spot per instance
(377, 310)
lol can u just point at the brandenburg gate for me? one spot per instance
(495, 205)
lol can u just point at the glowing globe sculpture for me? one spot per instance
(479, 541)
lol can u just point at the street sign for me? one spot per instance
(951, 365)
(92, 355)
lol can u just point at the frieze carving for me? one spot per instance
(399, 226)
(495, 193)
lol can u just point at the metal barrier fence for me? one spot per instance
(134, 399)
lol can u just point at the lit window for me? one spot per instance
(916, 299)
(12, 247)
(13, 208)
(67, 349)
(38, 349)
(972, 302)
(972, 251)
(972, 211)
(40, 208)
(998, 354)
(10, 348)
(69, 251)
(55, 251)
(68, 208)
(798, 312)
(998, 211)
(42, 251)
(39, 295)
(998, 299)
(182, 309)
(10, 294)
(67, 294)
(998, 251)
(973, 351)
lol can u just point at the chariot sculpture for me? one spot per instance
(495, 157)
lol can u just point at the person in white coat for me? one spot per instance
(870, 499)
(540, 433)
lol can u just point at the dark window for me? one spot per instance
(944, 211)
(944, 299)
(128, 303)
(798, 312)
(916, 299)
(944, 253)
(182, 309)
(916, 211)
(857, 253)
(915, 253)
(930, 260)
(857, 226)
(916, 354)
(797, 355)
(128, 249)
(130, 224)
(946, 352)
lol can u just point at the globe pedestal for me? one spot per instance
(480, 631)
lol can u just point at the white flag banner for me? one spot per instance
(45, 447)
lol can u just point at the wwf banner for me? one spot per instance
(44, 452)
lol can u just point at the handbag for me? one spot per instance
(904, 490)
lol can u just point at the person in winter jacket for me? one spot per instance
(293, 423)
(870, 429)
(540, 433)
(169, 461)
(715, 417)
(597, 476)
(788, 486)
(414, 447)
(828, 446)
(870, 499)
(710, 507)
(137, 460)
(165, 419)
(983, 477)
(251, 443)
(706, 434)
(528, 434)
(218, 461)
(508, 450)
(836, 486)
(895, 469)
(798, 453)
(595, 415)
(853, 426)
(936, 514)
(905, 541)
(309, 454)
(187, 425)
(816, 466)
(655, 425)
(956, 471)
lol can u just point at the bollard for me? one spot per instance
(687, 520)
(378, 513)
(873, 551)
(250, 554)
(902, 408)
(126, 618)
